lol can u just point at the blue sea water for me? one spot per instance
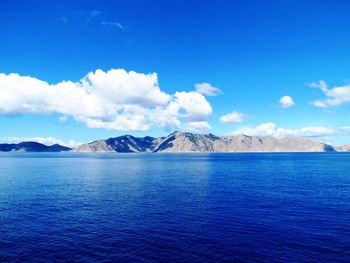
(239, 207)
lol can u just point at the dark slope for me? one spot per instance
(32, 147)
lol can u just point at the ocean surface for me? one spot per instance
(234, 207)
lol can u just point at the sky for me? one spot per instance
(75, 71)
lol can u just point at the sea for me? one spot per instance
(158, 207)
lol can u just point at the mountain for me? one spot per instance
(343, 148)
(32, 147)
(124, 144)
(189, 142)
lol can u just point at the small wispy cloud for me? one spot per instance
(113, 24)
(96, 12)
(87, 16)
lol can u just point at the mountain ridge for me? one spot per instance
(184, 142)
(190, 142)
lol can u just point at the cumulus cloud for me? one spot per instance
(44, 140)
(194, 106)
(335, 96)
(233, 117)
(271, 129)
(124, 87)
(20, 95)
(207, 89)
(286, 101)
(115, 99)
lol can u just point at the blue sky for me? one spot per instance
(254, 52)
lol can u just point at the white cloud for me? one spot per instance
(20, 95)
(317, 131)
(128, 118)
(124, 87)
(44, 140)
(335, 96)
(207, 89)
(113, 24)
(196, 127)
(233, 117)
(116, 99)
(286, 102)
(265, 129)
(192, 105)
(271, 129)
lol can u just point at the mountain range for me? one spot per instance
(184, 142)
(189, 142)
